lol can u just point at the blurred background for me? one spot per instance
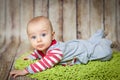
(71, 19)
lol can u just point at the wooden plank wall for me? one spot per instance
(71, 19)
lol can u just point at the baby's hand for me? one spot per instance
(26, 58)
(16, 73)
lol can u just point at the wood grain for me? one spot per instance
(11, 23)
(96, 15)
(118, 21)
(83, 19)
(110, 19)
(41, 8)
(6, 60)
(69, 20)
(26, 12)
(55, 16)
(2, 22)
(14, 13)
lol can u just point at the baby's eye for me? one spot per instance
(33, 37)
(43, 35)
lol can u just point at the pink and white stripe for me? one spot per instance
(49, 60)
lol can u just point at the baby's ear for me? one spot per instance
(53, 35)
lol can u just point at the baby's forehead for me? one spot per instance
(41, 22)
(41, 25)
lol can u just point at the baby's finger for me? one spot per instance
(11, 73)
(26, 58)
(15, 75)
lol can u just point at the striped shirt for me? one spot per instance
(46, 61)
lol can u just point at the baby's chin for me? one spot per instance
(41, 49)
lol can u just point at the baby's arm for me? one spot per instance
(16, 73)
(52, 57)
(34, 55)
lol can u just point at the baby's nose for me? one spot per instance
(39, 39)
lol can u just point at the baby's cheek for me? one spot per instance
(33, 45)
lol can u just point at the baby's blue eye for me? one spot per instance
(33, 37)
(43, 35)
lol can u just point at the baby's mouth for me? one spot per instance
(39, 46)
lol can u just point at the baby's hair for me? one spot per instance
(40, 19)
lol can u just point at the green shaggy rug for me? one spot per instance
(94, 70)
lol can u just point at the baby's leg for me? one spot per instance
(102, 50)
(98, 35)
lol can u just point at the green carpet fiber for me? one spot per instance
(94, 70)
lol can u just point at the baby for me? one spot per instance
(51, 52)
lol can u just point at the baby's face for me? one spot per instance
(40, 35)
